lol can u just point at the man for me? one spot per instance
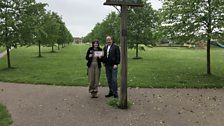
(111, 60)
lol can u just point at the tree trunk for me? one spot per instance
(209, 31)
(136, 51)
(39, 49)
(52, 48)
(8, 57)
(58, 47)
(6, 36)
(208, 57)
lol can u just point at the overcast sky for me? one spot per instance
(80, 16)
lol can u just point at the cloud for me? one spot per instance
(80, 16)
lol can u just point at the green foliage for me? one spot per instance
(51, 27)
(2, 49)
(9, 22)
(109, 26)
(191, 20)
(141, 25)
(5, 118)
(194, 20)
(26, 22)
(115, 103)
(31, 28)
(64, 34)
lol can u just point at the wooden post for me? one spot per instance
(124, 4)
(124, 63)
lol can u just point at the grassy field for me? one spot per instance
(5, 118)
(160, 67)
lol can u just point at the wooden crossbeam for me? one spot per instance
(134, 3)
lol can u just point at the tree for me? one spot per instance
(192, 20)
(31, 29)
(141, 25)
(93, 34)
(69, 37)
(9, 21)
(19, 23)
(51, 27)
(64, 36)
(39, 34)
(109, 26)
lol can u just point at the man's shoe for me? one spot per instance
(109, 95)
(115, 96)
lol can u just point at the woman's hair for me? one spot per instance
(95, 41)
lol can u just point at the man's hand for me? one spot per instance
(90, 55)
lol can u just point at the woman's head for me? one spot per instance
(95, 44)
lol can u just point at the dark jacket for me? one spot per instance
(114, 55)
(89, 59)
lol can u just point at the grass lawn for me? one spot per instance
(5, 118)
(160, 67)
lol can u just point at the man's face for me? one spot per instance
(109, 40)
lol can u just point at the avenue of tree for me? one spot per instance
(178, 21)
(26, 23)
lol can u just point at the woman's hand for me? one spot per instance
(115, 66)
(90, 55)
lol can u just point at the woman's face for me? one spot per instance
(95, 44)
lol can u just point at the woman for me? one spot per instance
(94, 66)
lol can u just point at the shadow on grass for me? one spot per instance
(49, 52)
(8, 69)
(39, 57)
(145, 59)
(137, 58)
(212, 76)
(53, 52)
(42, 56)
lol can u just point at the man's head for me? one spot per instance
(109, 40)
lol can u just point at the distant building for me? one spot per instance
(78, 40)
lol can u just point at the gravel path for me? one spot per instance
(40, 105)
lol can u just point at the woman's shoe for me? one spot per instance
(94, 95)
